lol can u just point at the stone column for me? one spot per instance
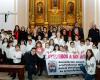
(46, 13)
(64, 13)
(32, 16)
(78, 11)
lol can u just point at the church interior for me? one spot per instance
(70, 26)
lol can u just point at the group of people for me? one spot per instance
(22, 47)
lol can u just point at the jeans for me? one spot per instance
(86, 75)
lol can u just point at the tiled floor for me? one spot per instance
(4, 76)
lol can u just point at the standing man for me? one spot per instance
(77, 31)
(94, 34)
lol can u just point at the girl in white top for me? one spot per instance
(47, 49)
(39, 38)
(90, 68)
(56, 49)
(81, 48)
(23, 47)
(10, 52)
(51, 44)
(58, 40)
(0, 42)
(45, 40)
(72, 49)
(77, 41)
(53, 35)
(40, 60)
(69, 40)
(12, 38)
(29, 45)
(4, 45)
(17, 55)
(88, 44)
(14, 41)
(17, 58)
(33, 41)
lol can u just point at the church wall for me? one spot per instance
(20, 16)
(90, 14)
(5, 6)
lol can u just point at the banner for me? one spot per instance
(64, 63)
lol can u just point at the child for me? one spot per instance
(51, 44)
(33, 41)
(58, 40)
(4, 45)
(47, 49)
(81, 48)
(39, 38)
(72, 49)
(40, 62)
(22, 46)
(17, 55)
(68, 42)
(29, 45)
(88, 44)
(53, 35)
(45, 40)
(56, 49)
(9, 52)
(96, 52)
(14, 41)
(61, 48)
(77, 41)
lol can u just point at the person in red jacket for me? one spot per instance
(16, 32)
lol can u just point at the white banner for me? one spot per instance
(64, 63)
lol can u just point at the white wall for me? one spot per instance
(23, 10)
(20, 7)
(5, 6)
(91, 14)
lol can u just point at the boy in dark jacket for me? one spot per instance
(30, 59)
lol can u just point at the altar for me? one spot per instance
(54, 12)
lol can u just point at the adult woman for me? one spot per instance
(90, 67)
(58, 40)
(23, 34)
(16, 32)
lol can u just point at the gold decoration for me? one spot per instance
(44, 12)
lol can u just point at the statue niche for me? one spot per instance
(55, 3)
(40, 8)
(71, 8)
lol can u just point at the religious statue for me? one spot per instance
(40, 8)
(55, 3)
(71, 8)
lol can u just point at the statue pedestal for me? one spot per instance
(46, 24)
(64, 24)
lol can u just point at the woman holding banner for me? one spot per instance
(90, 67)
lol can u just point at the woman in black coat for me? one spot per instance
(23, 34)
